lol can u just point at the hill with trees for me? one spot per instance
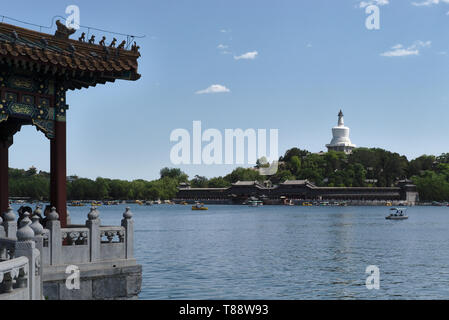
(363, 168)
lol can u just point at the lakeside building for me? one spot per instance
(299, 190)
(340, 137)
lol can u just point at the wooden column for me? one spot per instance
(58, 175)
(4, 192)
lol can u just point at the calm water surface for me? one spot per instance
(277, 252)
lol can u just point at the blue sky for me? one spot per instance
(313, 58)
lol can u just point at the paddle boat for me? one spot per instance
(199, 206)
(397, 214)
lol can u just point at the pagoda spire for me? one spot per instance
(341, 121)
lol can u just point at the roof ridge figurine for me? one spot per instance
(63, 32)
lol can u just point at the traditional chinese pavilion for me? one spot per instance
(36, 71)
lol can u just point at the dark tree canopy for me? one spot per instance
(364, 167)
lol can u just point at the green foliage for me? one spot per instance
(364, 167)
(37, 185)
(244, 174)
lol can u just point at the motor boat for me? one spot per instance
(397, 214)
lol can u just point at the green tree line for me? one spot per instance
(363, 168)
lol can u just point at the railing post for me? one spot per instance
(2, 229)
(10, 223)
(26, 247)
(55, 240)
(128, 224)
(93, 223)
(39, 240)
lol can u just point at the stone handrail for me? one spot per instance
(110, 233)
(13, 276)
(53, 248)
(84, 243)
(75, 236)
(20, 268)
(7, 249)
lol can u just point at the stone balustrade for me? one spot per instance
(13, 279)
(20, 264)
(23, 251)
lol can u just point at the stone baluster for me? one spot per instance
(38, 212)
(10, 223)
(26, 247)
(2, 235)
(38, 232)
(7, 283)
(2, 229)
(128, 224)
(93, 223)
(55, 241)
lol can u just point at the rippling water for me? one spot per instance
(277, 252)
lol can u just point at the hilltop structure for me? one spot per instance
(340, 137)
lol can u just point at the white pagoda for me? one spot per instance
(340, 137)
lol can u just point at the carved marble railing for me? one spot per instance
(56, 246)
(20, 261)
(89, 243)
(13, 279)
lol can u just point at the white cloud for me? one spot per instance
(428, 3)
(309, 45)
(364, 4)
(247, 56)
(400, 51)
(222, 46)
(215, 88)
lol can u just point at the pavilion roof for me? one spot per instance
(80, 63)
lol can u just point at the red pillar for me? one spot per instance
(58, 175)
(4, 192)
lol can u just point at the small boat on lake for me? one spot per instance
(397, 214)
(76, 204)
(307, 204)
(199, 206)
(255, 203)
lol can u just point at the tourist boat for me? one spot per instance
(307, 204)
(397, 214)
(388, 204)
(76, 204)
(199, 206)
(96, 203)
(255, 203)
(110, 203)
(184, 203)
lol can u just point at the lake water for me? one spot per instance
(277, 252)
